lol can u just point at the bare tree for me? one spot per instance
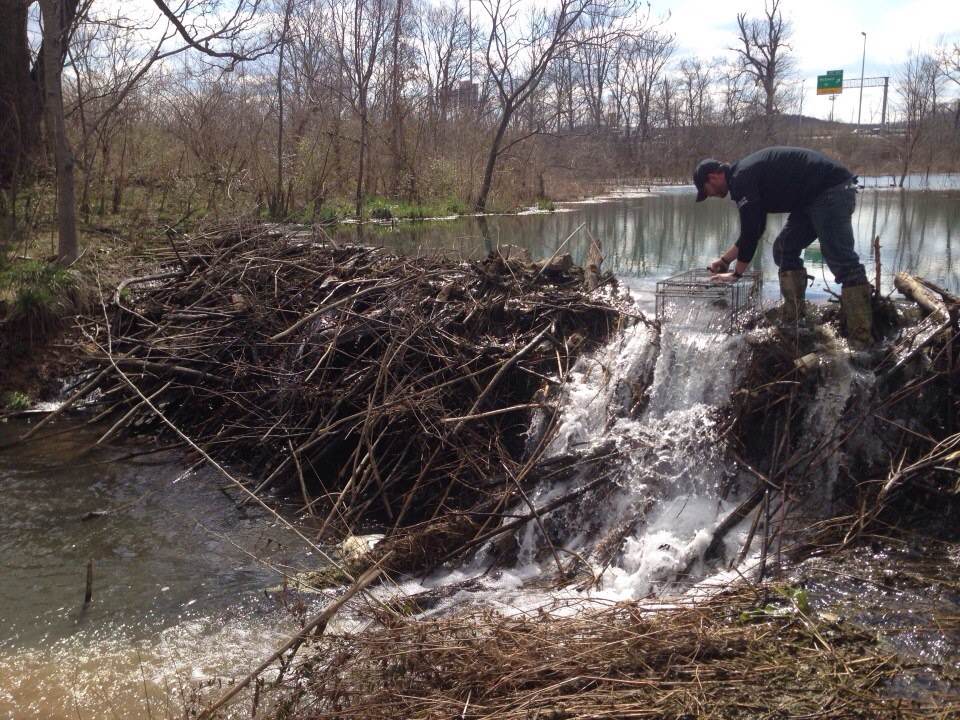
(919, 86)
(949, 60)
(734, 93)
(647, 58)
(279, 199)
(319, 85)
(206, 25)
(444, 52)
(20, 109)
(695, 83)
(54, 38)
(602, 35)
(764, 52)
(518, 61)
(359, 31)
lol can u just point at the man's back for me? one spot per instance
(783, 179)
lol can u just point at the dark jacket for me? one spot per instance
(777, 180)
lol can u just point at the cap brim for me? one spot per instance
(701, 195)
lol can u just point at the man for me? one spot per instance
(820, 195)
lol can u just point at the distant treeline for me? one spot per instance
(314, 109)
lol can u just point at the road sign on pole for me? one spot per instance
(831, 83)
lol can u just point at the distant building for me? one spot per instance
(463, 97)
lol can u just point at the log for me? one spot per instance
(594, 261)
(920, 294)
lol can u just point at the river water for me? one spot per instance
(180, 568)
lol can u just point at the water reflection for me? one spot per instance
(647, 238)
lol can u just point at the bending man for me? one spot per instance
(820, 195)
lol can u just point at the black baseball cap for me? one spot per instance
(704, 168)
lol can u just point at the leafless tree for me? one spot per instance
(603, 34)
(443, 45)
(219, 32)
(279, 198)
(55, 30)
(647, 58)
(764, 52)
(695, 82)
(949, 60)
(359, 31)
(919, 85)
(517, 60)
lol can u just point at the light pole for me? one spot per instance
(863, 62)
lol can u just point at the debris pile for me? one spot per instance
(380, 389)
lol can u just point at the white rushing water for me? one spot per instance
(674, 474)
(660, 399)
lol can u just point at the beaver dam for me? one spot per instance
(553, 505)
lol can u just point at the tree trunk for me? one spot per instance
(278, 205)
(360, 162)
(396, 116)
(481, 204)
(53, 35)
(20, 101)
(119, 180)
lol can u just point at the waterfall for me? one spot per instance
(660, 398)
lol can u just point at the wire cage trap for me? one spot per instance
(729, 303)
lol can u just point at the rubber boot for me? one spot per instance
(793, 288)
(858, 313)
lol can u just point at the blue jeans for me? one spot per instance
(828, 218)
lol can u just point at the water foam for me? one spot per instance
(660, 398)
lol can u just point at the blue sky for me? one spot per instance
(826, 37)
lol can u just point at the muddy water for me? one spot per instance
(908, 596)
(178, 578)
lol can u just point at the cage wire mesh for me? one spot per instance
(724, 306)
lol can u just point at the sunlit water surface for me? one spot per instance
(646, 237)
(179, 571)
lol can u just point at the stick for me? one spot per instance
(319, 622)
(557, 252)
(88, 593)
(913, 289)
(876, 265)
(549, 507)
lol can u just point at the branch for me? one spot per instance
(194, 43)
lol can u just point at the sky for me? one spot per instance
(826, 37)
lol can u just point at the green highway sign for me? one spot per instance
(831, 83)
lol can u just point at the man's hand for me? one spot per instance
(724, 278)
(718, 266)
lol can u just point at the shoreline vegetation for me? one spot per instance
(381, 391)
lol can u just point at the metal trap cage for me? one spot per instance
(731, 301)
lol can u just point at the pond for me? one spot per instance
(649, 236)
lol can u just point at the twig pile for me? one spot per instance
(383, 389)
(720, 658)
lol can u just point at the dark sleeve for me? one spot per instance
(753, 221)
